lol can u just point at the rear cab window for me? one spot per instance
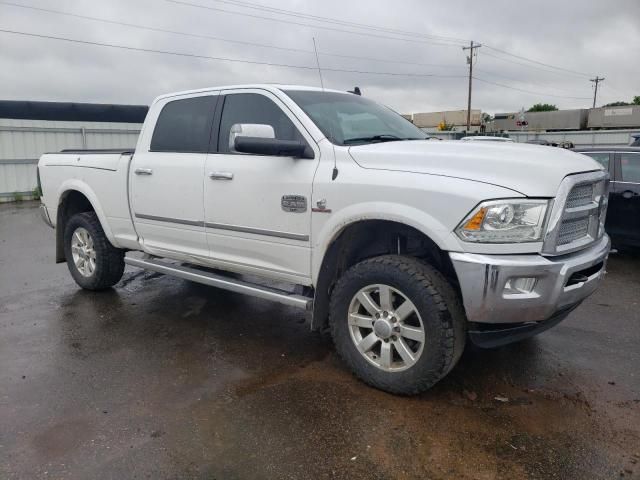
(184, 125)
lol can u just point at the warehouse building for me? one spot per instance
(29, 129)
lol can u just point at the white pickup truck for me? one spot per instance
(404, 248)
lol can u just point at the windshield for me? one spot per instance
(348, 119)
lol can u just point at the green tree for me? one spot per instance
(636, 100)
(486, 118)
(617, 104)
(543, 107)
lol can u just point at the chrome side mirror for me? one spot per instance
(255, 130)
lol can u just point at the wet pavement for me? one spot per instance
(161, 378)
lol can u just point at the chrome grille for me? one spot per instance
(578, 215)
(573, 230)
(580, 195)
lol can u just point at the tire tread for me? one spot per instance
(442, 296)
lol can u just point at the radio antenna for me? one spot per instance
(315, 49)
(334, 174)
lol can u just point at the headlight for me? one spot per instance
(505, 221)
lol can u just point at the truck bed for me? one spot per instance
(102, 159)
(102, 177)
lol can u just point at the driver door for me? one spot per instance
(257, 207)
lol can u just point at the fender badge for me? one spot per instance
(321, 207)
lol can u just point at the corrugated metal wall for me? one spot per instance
(23, 141)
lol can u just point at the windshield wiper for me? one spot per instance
(374, 138)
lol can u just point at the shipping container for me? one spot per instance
(556, 120)
(453, 117)
(615, 117)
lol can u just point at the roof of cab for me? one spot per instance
(264, 86)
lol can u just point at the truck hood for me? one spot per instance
(532, 170)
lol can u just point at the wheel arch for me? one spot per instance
(368, 237)
(76, 197)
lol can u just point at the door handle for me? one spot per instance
(221, 176)
(143, 171)
(628, 194)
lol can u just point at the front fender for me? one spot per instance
(403, 214)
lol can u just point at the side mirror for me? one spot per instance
(256, 130)
(273, 147)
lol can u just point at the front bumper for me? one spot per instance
(44, 213)
(560, 283)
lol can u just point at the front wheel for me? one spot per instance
(93, 262)
(397, 323)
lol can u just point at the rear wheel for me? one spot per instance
(93, 262)
(397, 323)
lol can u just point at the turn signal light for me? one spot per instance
(475, 222)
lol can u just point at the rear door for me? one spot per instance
(624, 205)
(167, 177)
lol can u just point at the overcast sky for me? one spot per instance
(591, 37)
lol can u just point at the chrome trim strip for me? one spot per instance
(625, 183)
(193, 223)
(220, 281)
(258, 231)
(224, 226)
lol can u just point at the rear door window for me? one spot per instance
(630, 167)
(184, 126)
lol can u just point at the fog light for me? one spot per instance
(520, 285)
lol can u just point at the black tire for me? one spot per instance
(109, 260)
(437, 304)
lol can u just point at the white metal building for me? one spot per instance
(29, 129)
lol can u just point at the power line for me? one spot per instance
(504, 52)
(388, 30)
(152, 29)
(323, 27)
(241, 42)
(555, 72)
(337, 21)
(254, 62)
(222, 59)
(529, 91)
(512, 79)
(221, 39)
(215, 38)
(318, 18)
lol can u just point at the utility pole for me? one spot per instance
(595, 92)
(471, 49)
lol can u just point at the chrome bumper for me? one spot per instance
(561, 282)
(44, 213)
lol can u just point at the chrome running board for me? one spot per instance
(221, 281)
